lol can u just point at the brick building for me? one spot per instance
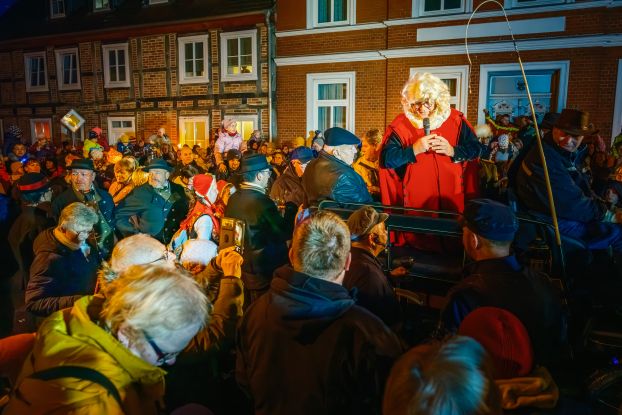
(132, 66)
(344, 62)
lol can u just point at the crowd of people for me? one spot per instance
(133, 297)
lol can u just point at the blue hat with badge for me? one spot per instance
(337, 136)
(490, 219)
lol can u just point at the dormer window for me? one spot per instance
(101, 5)
(57, 8)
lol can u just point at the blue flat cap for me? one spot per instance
(337, 136)
(302, 153)
(490, 219)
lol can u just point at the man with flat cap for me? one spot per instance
(84, 190)
(331, 176)
(156, 207)
(369, 238)
(580, 212)
(497, 279)
(266, 231)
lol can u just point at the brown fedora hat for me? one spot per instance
(575, 122)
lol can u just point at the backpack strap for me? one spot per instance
(79, 372)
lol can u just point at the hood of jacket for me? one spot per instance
(299, 299)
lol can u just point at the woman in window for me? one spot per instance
(426, 154)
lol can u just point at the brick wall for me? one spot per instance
(155, 98)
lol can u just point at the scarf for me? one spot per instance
(199, 209)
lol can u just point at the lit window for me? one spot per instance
(193, 61)
(245, 125)
(194, 130)
(41, 126)
(101, 5)
(57, 8)
(116, 66)
(67, 69)
(455, 77)
(239, 55)
(117, 126)
(36, 72)
(330, 100)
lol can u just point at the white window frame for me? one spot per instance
(253, 118)
(112, 131)
(418, 9)
(514, 4)
(224, 37)
(460, 74)
(312, 15)
(96, 9)
(116, 84)
(314, 79)
(484, 71)
(195, 119)
(60, 53)
(33, 121)
(57, 15)
(27, 57)
(616, 125)
(181, 53)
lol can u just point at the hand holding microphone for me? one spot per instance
(424, 143)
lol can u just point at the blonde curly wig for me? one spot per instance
(426, 87)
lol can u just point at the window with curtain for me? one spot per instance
(35, 68)
(194, 130)
(40, 126)
(239, 55)
(332, 11)
(330, 100)
(116, 65)
(57, 8)
(68, 71)
(193, 59)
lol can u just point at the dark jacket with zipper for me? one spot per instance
(307, 340)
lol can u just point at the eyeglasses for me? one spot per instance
(165, 256)
(162, 356)
(428, 104)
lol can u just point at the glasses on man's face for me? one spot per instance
(165, 256)
(162, 356)
(428, 104)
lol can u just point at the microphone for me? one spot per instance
(426, 126)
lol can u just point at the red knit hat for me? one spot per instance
(504, 337)
(201, 183)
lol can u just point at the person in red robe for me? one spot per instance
(437, 170)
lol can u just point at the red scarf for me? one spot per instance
(199, 209)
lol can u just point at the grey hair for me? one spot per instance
(77, 214)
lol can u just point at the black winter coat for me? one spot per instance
(58, 275)
(307, 340)
(155, 216)
(526, 293)
(266, 234)
(327, 177)
(571, 189)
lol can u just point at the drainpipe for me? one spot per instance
(271, 72)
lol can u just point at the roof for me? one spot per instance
(31, 18)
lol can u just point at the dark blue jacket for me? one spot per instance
(574, 200)
(58, 275)
(327, 177)
(155, 216)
